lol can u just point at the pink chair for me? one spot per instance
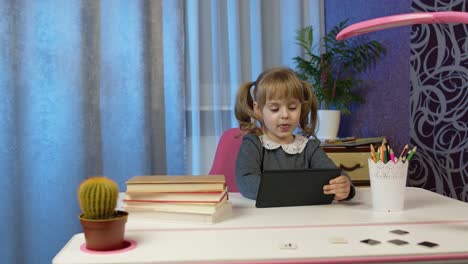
(224, 161)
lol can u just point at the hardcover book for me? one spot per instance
(186, 206)
(223, 212)
(176, 183)
(198, 197)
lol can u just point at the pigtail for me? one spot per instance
(308, 119)
(244, 110)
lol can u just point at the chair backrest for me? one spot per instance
(224, 161)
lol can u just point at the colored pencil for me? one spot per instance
(374, 158)
(392, 155)
(382, 154)
(411, 153)
(403, 153)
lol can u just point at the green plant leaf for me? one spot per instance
(338, 65)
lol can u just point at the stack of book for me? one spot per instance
(193, 199)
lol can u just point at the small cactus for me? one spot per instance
(98, 197)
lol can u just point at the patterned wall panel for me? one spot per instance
(439, 102)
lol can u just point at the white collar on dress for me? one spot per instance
(297, 146)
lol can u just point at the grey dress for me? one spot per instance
(249, 164)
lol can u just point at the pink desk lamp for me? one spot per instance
(402, 20)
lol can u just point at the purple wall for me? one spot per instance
(386, 110)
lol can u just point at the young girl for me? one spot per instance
(279, 104)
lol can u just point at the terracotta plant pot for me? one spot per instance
(107, 234)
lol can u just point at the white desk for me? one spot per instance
(255, 235)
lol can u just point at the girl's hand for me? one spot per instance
(339, 186)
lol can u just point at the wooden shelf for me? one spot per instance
(353, 160)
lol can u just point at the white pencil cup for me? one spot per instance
(388, 183)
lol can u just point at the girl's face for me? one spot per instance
(280, 118)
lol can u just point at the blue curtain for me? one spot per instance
(74, 100)
(41, 127)
(117, 88)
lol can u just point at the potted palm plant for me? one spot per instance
(103, 226)
(333, 73)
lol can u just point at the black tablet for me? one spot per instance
(295, 187)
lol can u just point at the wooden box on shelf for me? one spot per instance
(353, 160)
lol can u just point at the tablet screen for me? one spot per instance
(295, 187)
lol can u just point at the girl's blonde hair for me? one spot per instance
(275, 83)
